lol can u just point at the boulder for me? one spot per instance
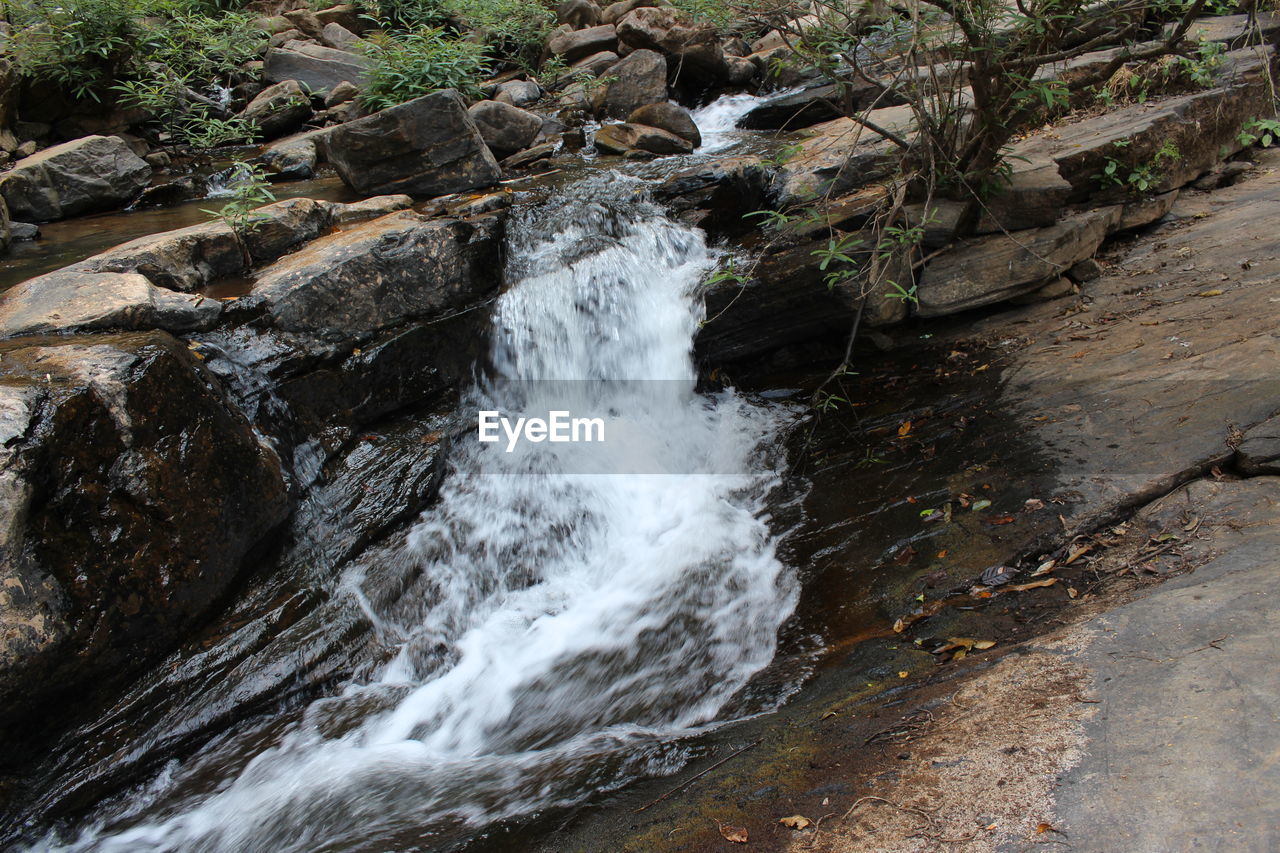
(316, 67)
(578, 14)
(341, 94)
(306, 21)
(626, 138)
(1259, 452)
(81, 176)
(339, 37)
(670, 117)
(279, 109)
(428, 146)
(518, 93)
(692, 50)
(68, 301)
(349, 15)
(595, 65)
(284, 37)
(504, 128)
(22, 231)
(615, 12)
(133, 494)
(529, 156)
(369, 208)
(379, 274)
(6, 233)
(993, 269)
(641, 79)
(292, 161)
(169, 193)
(572, 45)
(841, 155)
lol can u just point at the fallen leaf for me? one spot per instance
(1033, 504)
(904, 555)
(899, 626)
(902, 673)
(1044, 568)
(1023, 587)
(981, 505)
(942, 554)
(1072, 592)
(795, 821)
(1214, 292)
(828, 715)
(997, 575)
(1076, 554)
(905, 429)
(983, 645)
(1042, 828)
(736, 834)
(1000, 519)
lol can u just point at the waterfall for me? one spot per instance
(565, 613)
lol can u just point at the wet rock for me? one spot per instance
(692, 50)
(641, 79)
(518, 93)
(428, 146)
(797, 110)
(339, 37)
(504, 128)
(341, 94)
(627, 138)
(158, 160)
(670, 117)
(81, 176)
(378, 274)
(68, 300)
(1259, 452)
(170, 192)
(995, 268)
(717, 193)
(572, 45)
(529, 156)
(133, 495)
(316, 67)
(279, 109)
(292, 161)
(578, 14)
(615, 12)
(369, 208)
(23, 231)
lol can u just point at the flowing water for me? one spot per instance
(564, 615)
(718, 120)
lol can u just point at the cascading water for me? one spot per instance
(564, 614)
(718, 120)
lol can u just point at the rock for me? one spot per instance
(22, 231)
(626, 138)
(6, 234)
(595, 65)
(529, 156)
(578, 14)
(349, 15)
(995, 268)
(641, 79)
(692, 50)
(1144, 211)
(81, 176)
(428, 146)
(279, 109)
(670, 117)
(1259, 452)
(369, 208)
(379, 274)
(339, 37)
(1233, 30)
(615, 12)
(292, 161)
(1054, 289)
(718, 192)
(158, 160)
(341, 94)
(133, 495)
(740, 71)
(26, 149)
(341, 114)
(70, 301)
(317, 68)
(841, 155)
(169, 193)
(1203, 126)
(504, 128)
(306, 21)
(573, 45)
(1085, 271)
(810, 106)
(284, 225)
(282, 38)
(518, 93)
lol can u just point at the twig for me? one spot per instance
(687, 782)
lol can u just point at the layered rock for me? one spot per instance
(81, 176)
(670, 117)
(504, 128)
(317, 67)
(640, 79)
(279, 109)
(426, 147)
(628, 138)
(69, 300)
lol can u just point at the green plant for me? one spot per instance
(834, 258)
(511, 28)
(250, 191)
(1140, 177)
(406, 65)
(1202, 68)
(78, 45)
(902, 294)
(1260, 131)
(202, 47)
(205, 131)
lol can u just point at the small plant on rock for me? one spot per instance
(1260, 131)
(251, 190)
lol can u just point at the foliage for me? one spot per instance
(1141, 177)
(1260, 131)
(79, 45)
(514, 28)
(202, 47)
(711, 11)
(250, 191)
(205, 131)
(404, 66)
(1203, 67)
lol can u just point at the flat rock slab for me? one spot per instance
(80, 176)
(68, 300)
(1182, 753)
(316, 67)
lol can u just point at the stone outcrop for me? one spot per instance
(578, 14)
(69, 300)
(315, 66)
(429, 146)
(628, 138)
(81, 176)
(641, 78)
(1259, 452)
(504, 128)
(279, 109)
(132, 495)
(670, 117)
(572, 45)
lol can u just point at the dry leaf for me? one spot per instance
(1044, 568)
(736, 834)
(1042, 828)
(983, 645)
(899, 626)
(1072, 592)
(903, 673)
(1077, 554)
(1023, 587)
(905, 429)
(1214, 292)
(942, 554)
(795, 822)
(1000, 519)
(981, 505)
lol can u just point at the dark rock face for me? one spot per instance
(379, 274)
(317, 67)
(572, 45)
(505, 129)
(670, 117)
(81, 176)
(133, 494)
(279, 109)
(642, 79)
(427, 147)
(1259, 452)
(68, 300)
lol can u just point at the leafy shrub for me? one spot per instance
(515, 28)
(251, 190)
(406, 65)
(79, 45)
(206, 48)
